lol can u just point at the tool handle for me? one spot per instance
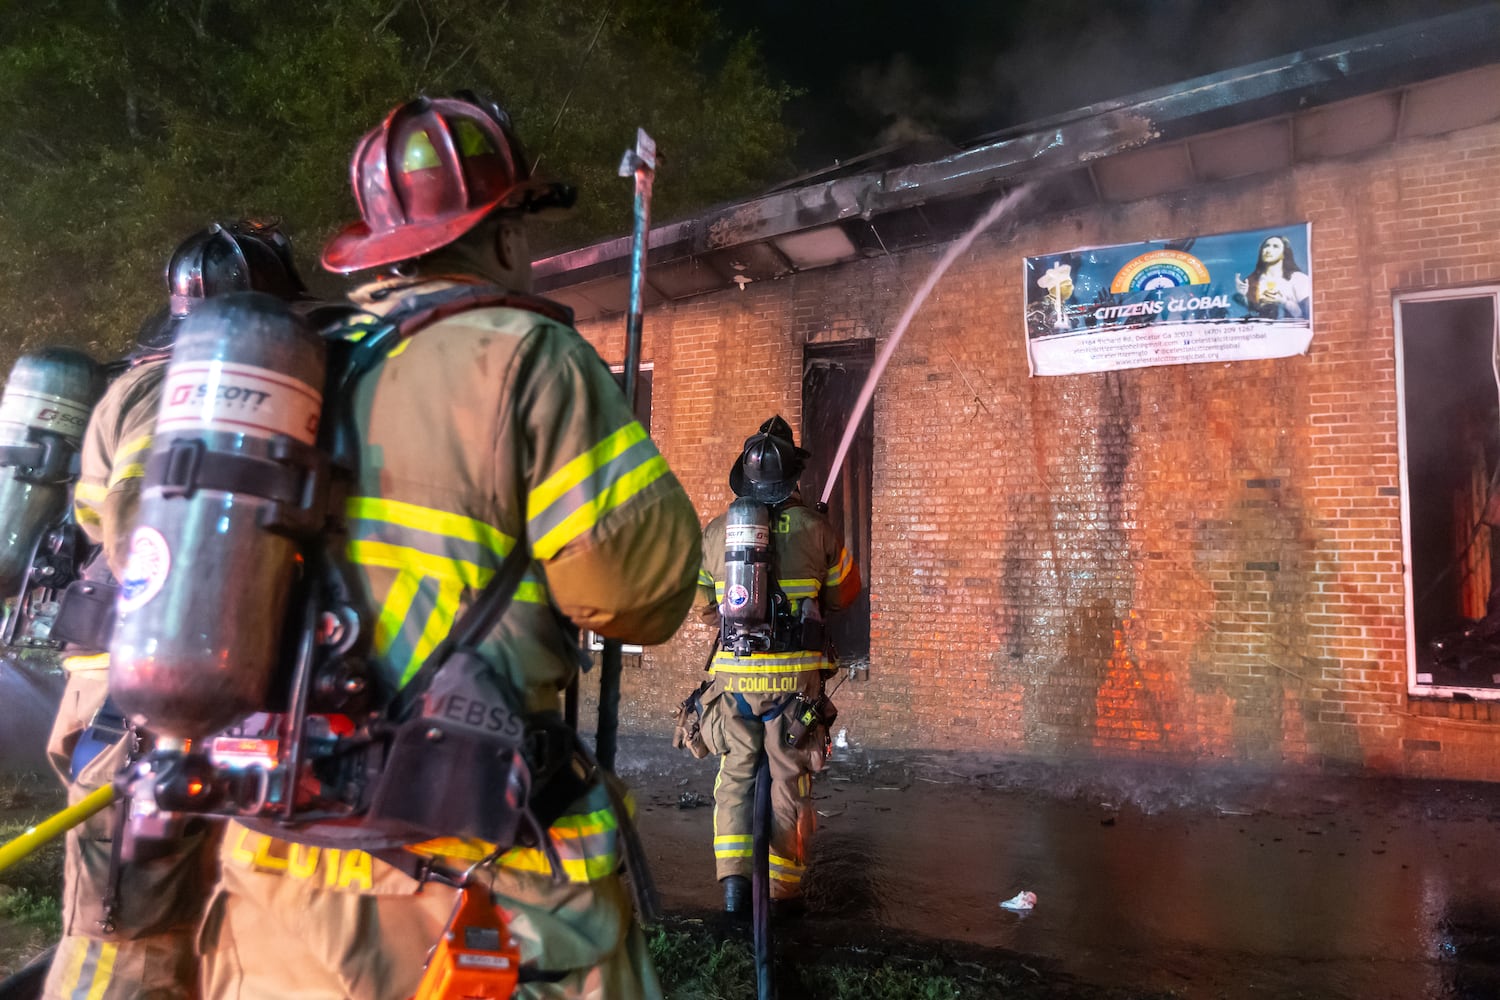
(54, 826)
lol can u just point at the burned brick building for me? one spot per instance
(1265, 560)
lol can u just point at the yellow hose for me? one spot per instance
(54, 826)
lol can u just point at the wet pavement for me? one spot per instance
(29, 693)
(1152, 880)
(1160, 880)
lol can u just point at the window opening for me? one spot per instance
(1449, 387)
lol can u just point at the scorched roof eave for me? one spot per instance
(1268, 89)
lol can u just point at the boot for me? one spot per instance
(736, 894)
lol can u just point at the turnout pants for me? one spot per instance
(293, 922)
(149, 953)
(739, 739)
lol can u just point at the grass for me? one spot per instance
(696, 963)
(30, 913)
(30, 910)
(38, 876)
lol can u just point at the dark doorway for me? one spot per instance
(642, 392)
(832, 377)
(1451, 436)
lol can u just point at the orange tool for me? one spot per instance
(476, 959)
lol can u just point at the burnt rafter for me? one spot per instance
(883, 210)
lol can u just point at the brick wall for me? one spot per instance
(1202, 561)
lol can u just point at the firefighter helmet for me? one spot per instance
(776, 427)
(155, 335)
(244, 256)
(425, 176)
(768, 468)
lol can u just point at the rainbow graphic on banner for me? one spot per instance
(1159, 269)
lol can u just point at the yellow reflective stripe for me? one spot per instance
(705, 579)
(792, 662)
(140, 444)
(439, 522)
(461, 848)
(395, 609)
(582, 861)
(439, 624)
(779, 875)
(733, 846)
(586, 824)
(104, 970)
(90, 491)
(90, 661)
(585, 843)
(135, 470)
(838, 572)
(529, 859)
(73, 971)
(794, 589)
(86, 515)
(390, 556)
(587, 515)
(575, 472)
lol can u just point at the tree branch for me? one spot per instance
(380, 24)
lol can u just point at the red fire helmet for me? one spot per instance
(425, 176)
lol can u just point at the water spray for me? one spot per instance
(989, 218)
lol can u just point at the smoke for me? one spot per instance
(962, 73)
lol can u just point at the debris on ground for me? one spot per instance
(1020, 902)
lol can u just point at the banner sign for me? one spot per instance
(1229, 297)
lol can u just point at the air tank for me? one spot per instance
(43, 414)
(747, 557)
(212, 562)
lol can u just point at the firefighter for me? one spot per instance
(763, 672)
(128, 929)
(496, 425)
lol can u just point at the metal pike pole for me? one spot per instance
(639, 163)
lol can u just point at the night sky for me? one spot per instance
(878, 71)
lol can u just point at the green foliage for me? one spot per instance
(41, 911)
(130, 123)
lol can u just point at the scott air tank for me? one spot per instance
(232, 471)
(43, 415)
(747, 558)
